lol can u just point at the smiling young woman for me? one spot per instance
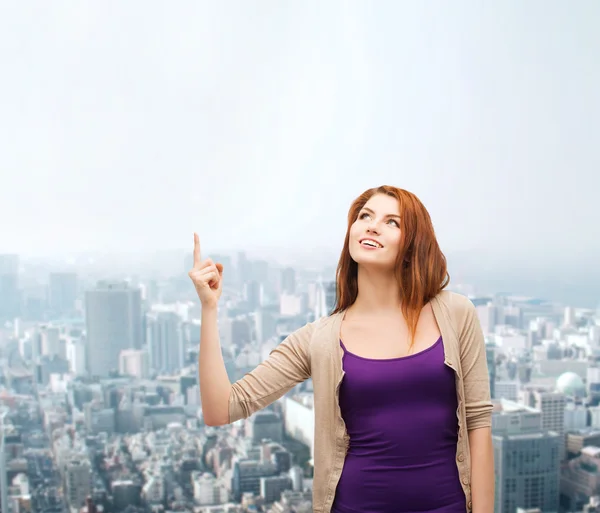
(402, 398)
(411, 256)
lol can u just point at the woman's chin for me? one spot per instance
(372, 262)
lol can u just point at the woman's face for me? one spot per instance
(375, 234)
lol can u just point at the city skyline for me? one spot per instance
(127, 127)
(482, 273)
(117, 359)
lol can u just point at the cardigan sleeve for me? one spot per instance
(474, 367)
(287, 365)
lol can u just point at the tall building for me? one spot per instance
(134, 362)
(288, 281)
(291, 305)
(113, 315)
(592, 383)
(490, 354)
(580, 479)
(266, 324)
(253, 294)
(570, 320)
(244, 269)
(264, 425)
(52, 343)
(299, 420)
(488, 316)
(75, 348)
(10, 296)
(260, 271)
(207, 490)
(272, 487)
(62, 292)
(513, 316)
(241, 332)
(164, 339)
(551, 406)
(526, 459)
(4, 492)
(78, 480)
(247, 474)
(325, 298)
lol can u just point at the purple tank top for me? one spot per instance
(401, 415)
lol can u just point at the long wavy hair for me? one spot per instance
(421, 268)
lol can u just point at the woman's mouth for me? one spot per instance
(370, 244)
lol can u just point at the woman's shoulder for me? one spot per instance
(328, 326)
(455, 302)
(318, 330)
(458, 307)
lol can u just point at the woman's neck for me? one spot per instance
(378, 292)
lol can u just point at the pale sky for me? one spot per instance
(128, 125)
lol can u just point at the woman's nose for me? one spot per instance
(372, 227)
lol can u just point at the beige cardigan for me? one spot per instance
(314, 352)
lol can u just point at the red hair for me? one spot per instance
(421, 268)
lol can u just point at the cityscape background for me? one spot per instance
(125, 127)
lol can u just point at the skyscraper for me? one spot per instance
(490, 354)
(526, 459)
(10, 300)
(325, 298)
(62, 293)
(288, 281)
(551, 406)
(3, 463)
(113, 315)
(164, 338)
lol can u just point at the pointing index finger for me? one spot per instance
(196, 250)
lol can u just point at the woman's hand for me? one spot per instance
(207, 277)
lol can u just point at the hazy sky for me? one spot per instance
(128, 125)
